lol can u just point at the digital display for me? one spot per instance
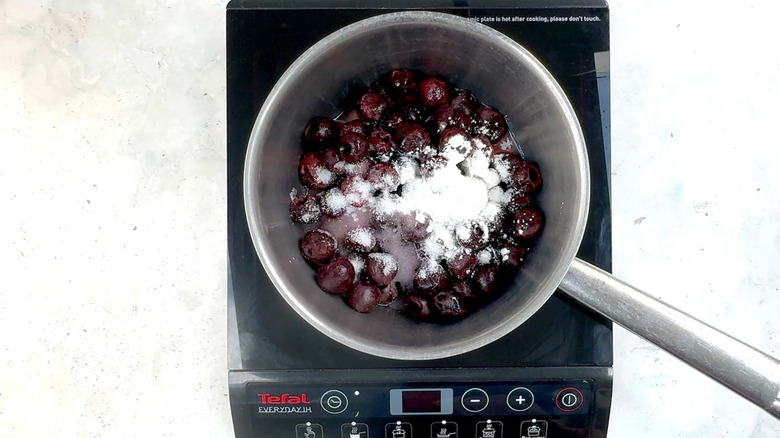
(421, 401)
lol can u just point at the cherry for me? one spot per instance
(524, 224)
(463, 290)
(381, 268)
(433, 93)
(401, 82)
(337, 276)
(356, 189)
(482, 144)
(486, 280)
(462, 265)
(449, 305)
(465, 101)
(446, 116)
(318, 247)
(371, 106)
(363, 297)
(504, 145)
(405, 113)
(333, 202)
(472, 235)
(313, 171)
(430, 277)
(526, 177)
(360, 240)
(417, 307)
(412, 138)
(511, 255)
(414, 226)
(381, 145)
(429, 164)
(517, 200)
(506, 164)
(388, 294)
(489, 122)
(320, 133)
(331, 156)
(304, 209)
(457, 138)
(353, 147)
(383, 176)
(354, 126)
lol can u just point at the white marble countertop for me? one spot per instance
(113, 253)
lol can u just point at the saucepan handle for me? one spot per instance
(748, 372)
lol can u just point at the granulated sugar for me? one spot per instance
(453, 196)
(386, 261)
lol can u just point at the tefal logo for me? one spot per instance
(284, 399)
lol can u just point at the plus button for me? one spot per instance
(520, 399)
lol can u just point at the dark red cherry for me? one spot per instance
(489, 122)
(511, 255)
(356, 189)
(313, 171)
(381, 145)
(337, 276)
(363, 297)
(429, 164)
(446, 116)
(331, 156)
(457, 138)
(353, 126)
(414, 226)
(388, 294)
(383, 176)
(526, 177)
(486, 281)
(517, 200)
(463, 290)
(304, 209)
(473, 235)
(524, 224)
(433, 93)
(371, 106)
(449, 305)
(353, 147)
(333, 202)
(401, 82)
(429, 278)
(320, 133)
(381, 268)
(504, 145)
(360, 240)
(465, 101)
(412, 138)
(318, 246)
(417, 307)
(462, 265)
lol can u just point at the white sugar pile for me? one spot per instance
(454, 196)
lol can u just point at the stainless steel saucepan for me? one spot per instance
(508, 77)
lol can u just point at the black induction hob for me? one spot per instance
(562, 355)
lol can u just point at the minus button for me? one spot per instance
(474, 400)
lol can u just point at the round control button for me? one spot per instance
(520, 399)
(569, 399)
(474, 400)
(334, 401)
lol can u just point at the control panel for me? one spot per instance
(536, 409)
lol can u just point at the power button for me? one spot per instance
(334, 401)
(569, 399)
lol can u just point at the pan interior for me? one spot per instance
(472, 56)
